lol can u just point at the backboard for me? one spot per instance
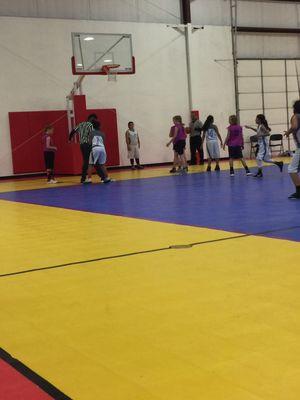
(92, 51)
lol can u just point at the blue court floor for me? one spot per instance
(213, 200)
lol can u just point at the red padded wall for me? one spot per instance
(26, 130)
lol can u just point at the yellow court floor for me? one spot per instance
(215, 321)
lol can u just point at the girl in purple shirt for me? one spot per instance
(235, 142)
(178, 137)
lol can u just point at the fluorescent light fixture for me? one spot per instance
(89, 38)
(79, 65)
(108, 60)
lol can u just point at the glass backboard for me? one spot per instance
(93, 51)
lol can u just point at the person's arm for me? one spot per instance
(174, 136)
(127, 139)
(48, 144)
(242, 138)
(73, 133)
(294, 126)
(219, 136)
(139, 143)
(226, 140)
(250, 127)
(203, 138)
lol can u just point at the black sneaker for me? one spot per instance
(208, 169)
(217, 168)
(172, 171)
(280, 165)
(259, 174)
(140, 167)
(231, 172)
(294, 196)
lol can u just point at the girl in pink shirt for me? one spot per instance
(178, 136)
(235, 142)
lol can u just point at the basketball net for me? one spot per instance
(110, 71)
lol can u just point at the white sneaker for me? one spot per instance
(88, 180)
(52, 181)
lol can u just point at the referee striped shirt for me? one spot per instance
(84, 129)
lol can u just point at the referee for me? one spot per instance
(84, 130)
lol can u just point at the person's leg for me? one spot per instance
(245, 166)
(201, 152)
(259, 162)
(231, 166)
(293, 170)
(216, 156)
(139, 166)
(85, 152)
(101, 171)
(268, 159)
(193, 146)
(52, 166)
(198, 148)
(175, 162)
(132, 163)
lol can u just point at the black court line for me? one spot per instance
(33, 377)
(171, 247)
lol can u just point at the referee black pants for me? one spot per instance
(85, 151)
(196, 145)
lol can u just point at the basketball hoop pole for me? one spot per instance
(77, 89)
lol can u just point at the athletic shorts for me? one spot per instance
(179, 147)
(133, 151)
(213, 149)
(294, 166)
(49, 159)
(235, 152)
(264, 153)
(97, 155)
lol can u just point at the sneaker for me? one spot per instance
(52, 181)
(231, 172)
(294, 196)
(280, 165)
(248, 173)
(107, 180)
(140, 167)
(172, 171)
(186, 169)
(208, 169)
(132, 167)
(259, 174)
(88, 180)
(217, 168)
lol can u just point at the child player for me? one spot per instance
(49, 153)
(133, 146)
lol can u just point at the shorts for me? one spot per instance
(294, 166)
(235, 152)
(49, 159)
(213, 149)
(133, 151)
(97, 155)
(179, 147)
(264, 153)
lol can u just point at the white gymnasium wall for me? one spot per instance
(212, 75)
(36, 75)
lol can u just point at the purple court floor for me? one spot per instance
(213, 200)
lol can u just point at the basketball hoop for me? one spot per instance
(109, 70)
